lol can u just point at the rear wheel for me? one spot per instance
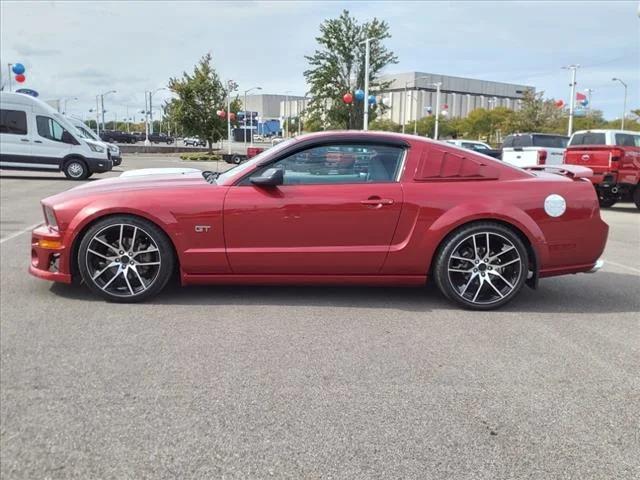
(236, 159)
(481, 266)
(76, 169)
(125, 259)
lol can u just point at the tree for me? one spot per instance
(384, 125)
(199, 96)
(535, 115)
(337, 67)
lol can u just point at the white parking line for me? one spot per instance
(17, 234)
(622, 266)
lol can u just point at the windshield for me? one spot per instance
(550, 141)
(243, 167)
(589, 138)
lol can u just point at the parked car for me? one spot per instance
(160, 138)
(614, 157)
(527, 149)
(34, 136)
(112, 149)
(113, 136)
(477, 146)
(139, 136)
(195, 142)
(422, 210)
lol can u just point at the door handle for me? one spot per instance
(377, 202)
(37, 141)
(24, 139)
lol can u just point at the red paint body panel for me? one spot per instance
(315, 234)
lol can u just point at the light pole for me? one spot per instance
(367, 52)
(65, 100)
(404, 102)
(245, 115)
(285, 129)
(151, 94)
(231, 86)
(102, 95)
(572, 101)
(624, 103)
(435, 132)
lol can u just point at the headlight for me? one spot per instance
(114, 149)
(95, 148)
(49, 217)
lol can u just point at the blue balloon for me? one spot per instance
(372, 99)
(585, 102)
(359, 95)
(18, 69)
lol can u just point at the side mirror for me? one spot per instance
(68, 138)
(269, 178)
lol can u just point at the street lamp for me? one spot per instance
(367, 51)
(148, 116)
(404, 103)
(437, 85)
(102, 95)
(245, 115)
(64, 102)
(572, 102)
(624, 104)
(285, 129)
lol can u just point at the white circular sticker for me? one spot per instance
(555, 205)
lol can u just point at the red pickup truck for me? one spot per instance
(614, 157)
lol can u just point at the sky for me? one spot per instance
(81, 49)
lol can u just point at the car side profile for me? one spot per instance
(383, 209)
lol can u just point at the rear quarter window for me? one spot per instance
(589, 138)
(627, 140)
(508, 142)
(550, 141)
(13, 122)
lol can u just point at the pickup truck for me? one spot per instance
(614, 157)
(115, 136)
(476, 146)
(530, 149)
(160, 138)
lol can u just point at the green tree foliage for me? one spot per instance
(536, 114)
(337, 67)
(384, 125)
(199, 96)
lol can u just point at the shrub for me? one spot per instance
(201, 157)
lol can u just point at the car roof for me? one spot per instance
(605, 130)
(25, 100)
(536, 133)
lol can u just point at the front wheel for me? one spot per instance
(481, 266)
(236, 159)
(76, 170)
(125, 259)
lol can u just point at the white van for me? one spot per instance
(531, 149)
(86, 132)
(34, 136)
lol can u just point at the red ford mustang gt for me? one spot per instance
(329, 208)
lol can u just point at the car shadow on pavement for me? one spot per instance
(571, 294)
(43, 177)
(625, 208)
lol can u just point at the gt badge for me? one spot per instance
(202, 228)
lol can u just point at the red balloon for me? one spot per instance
(20, 78)
(445, 106)
(347, 98)
(221, 113)
(559, 103)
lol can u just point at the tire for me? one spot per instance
(636, 197)
(146, 271)
(76, 169)
(607, 202)
(110, 140)
(477, 284)
(236, 159)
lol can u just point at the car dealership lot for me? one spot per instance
(253, 382)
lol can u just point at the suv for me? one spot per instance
(160, 138)
(614, 157)
(113, 136)
(530, 149)
(195, 142)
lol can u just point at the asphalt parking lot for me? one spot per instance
(343, 383)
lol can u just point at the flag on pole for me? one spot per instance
(580, 96)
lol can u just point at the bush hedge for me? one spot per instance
(200, 157)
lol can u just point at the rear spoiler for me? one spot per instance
(572, 171)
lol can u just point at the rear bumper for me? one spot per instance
(47, 262)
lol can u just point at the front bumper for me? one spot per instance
(48, 255)
(99, 165)
(117, 160)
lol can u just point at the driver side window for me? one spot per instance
(341, 164)
(49, 128)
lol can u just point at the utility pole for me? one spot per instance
(572, 101)
(404, 105)
(435, 132)
(285, 129)
(97, 116)
(589, 91)
(146, 120)
(9, 65)
(367, 51)
(624, 103)
(231, 86)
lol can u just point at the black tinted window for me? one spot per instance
(550, 141)
(627, 140)
(508, 142)
(522, 141)
(13, 122)
(589, 138)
